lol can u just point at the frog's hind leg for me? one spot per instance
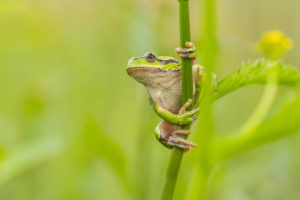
(176, 140)
(170, 136)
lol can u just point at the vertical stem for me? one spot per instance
(186, 64)
(171, 174)
(204, 136)
(210, 42)
(187, 92)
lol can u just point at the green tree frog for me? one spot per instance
(161, 75)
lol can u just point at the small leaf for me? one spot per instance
(256, 73)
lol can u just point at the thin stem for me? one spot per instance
(204, 137)
(187, 92)
(263, 107)
(247, 133)
(186, 64)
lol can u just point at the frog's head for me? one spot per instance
(149, 67)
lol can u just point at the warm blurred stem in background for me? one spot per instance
(187, 93)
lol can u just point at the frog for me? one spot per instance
(161, 76)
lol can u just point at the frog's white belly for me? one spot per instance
(168, 98)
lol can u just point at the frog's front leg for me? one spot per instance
(182, 118)
(170, 136)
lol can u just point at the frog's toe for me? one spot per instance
(180, 146)
(183, 53)
(189, 45)
(179, 142)
(194, 117)
(182, 132)
(185, 106)
(187, 52)
(192, 114)
(195, 111)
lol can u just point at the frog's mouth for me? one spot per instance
(140, 70)
(153, 76)
(147, 75)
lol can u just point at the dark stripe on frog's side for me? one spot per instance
(165, 62)
(161, 61)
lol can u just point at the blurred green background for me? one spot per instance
(74, 125)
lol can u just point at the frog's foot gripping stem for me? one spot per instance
(182, 118)
(175, 140)
(191, 114)
(187, 52)
(170, 136)
(185, 106)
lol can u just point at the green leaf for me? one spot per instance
(104, 147)
(2, 154)
(256, 73)
(29, 155)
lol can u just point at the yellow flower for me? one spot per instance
(274, 44)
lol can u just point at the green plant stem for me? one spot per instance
(204, 133)
(269, 130)
(263, 107)
(186, 64)
(187, 92)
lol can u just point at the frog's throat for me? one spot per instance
(154, 76)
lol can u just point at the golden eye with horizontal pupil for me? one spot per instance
(150, 57)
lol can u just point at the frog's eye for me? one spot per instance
(150, 57)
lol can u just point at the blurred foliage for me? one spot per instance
(282, 122)
(73, 125)
(274, 44)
